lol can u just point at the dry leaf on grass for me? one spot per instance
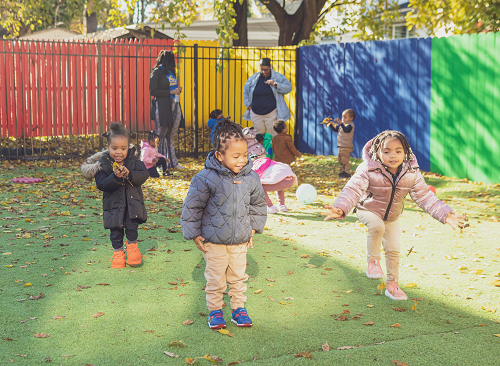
(304, 354)
(97, 315)
(370, 306)
(371, 322)
(397, 325)
(325, 347)
(399, 309)
(58, 317)
(41, 335)
(233, 363)
(102, 284)
(212, 358)
(411, 285)
(488, 308)
(225, 331)
(203, 314)
(190, 361)
(172, 283)
(187, 322)
(346, 311)
(177, 344)
(342, 318)
(346, 347)
(258, 291)
(497, 335)
(170, 354)
(399, 363)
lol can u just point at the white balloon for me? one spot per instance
(306, 194)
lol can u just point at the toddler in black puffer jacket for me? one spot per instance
(119, 174)
(224, 208)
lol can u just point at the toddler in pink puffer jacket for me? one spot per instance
(388, 173)
(255, 150)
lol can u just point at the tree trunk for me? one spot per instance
(240, 28)
(89, 20)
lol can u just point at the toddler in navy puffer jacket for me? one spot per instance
(224, 207)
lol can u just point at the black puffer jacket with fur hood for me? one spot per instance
(118, 194)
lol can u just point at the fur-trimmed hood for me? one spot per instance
(93, 163)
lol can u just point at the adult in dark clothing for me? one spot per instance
(166, 109)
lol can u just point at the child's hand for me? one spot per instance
(250, 242)
(167, 160)
(456, 220)
(199, 243)
(332, 213)
(125, 172)
(119, 172)
(337, 120)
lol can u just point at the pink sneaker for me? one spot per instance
(394, 291)
(374, 270)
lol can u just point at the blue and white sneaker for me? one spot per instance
(215, 320)
(240, 318)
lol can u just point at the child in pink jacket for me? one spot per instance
(388, 173)
(275, 177)
(151, 158)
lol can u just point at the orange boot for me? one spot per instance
(118, 259)
(134, 256)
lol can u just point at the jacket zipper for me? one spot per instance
(234, 211)
(392, 193)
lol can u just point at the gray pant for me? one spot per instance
(166, 146)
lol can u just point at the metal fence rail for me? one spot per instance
(56, 98)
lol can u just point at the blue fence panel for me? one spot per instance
(387, 83)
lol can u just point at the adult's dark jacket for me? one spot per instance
(159, 88)
(118, 194)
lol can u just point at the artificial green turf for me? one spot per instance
(143, 313)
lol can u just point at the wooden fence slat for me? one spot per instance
(3, 90)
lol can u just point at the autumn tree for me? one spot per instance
(455, 16)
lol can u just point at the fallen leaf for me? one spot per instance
(346, 311)
(411, 285)
(397, 325)
(37, 297)
(41, 335)
(187, 322)
(97, 315)
(399, 363)
(414, 307)
(488, 308)
(346, 347)
(102, 284)
(371, 322)
(172, 283)
(381, 286)
(58, 317)
(27, 284)
(10, 339)
(325, 347)
(496, 335)
(170, 354)
(203, 314)
(233, 363)
(257, 291)
(311, 266)
(225, 331)
(370, 306)
(190, 361)
(342, 318)
(399, 309)
(270, 280)
(177, 344)
(213, 358)
(496, 283)
(305, 256)
(304, 354)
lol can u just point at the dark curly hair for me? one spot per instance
(117, 129)
(227, 131)
(379, 140)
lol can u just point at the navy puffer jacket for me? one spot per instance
(224, 208)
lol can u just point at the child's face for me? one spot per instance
(346, 117)
(154, 142)
(118, 148)
(392, 154)
(235, 157)
(220, 116)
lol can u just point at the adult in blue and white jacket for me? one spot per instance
(264, 96)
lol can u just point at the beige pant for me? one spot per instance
(344, 158)
(226, 264)
(261, 123)
(386, 233)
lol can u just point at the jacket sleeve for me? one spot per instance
(428, 201)
(212, 123)
(193, 207)
(107, 183)
(246, 92)
(140, 175)
(353, 191)
(284, 86)
(154, 83)
(148, 155)
(258, 207)
(291, 146)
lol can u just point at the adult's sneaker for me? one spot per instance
(216, 320)
(240, 318)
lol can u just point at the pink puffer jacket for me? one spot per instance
(371, 188)
(148, 153)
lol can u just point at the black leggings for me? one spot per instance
(153, 173)
(129, 228)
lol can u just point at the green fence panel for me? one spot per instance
(465, 91)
